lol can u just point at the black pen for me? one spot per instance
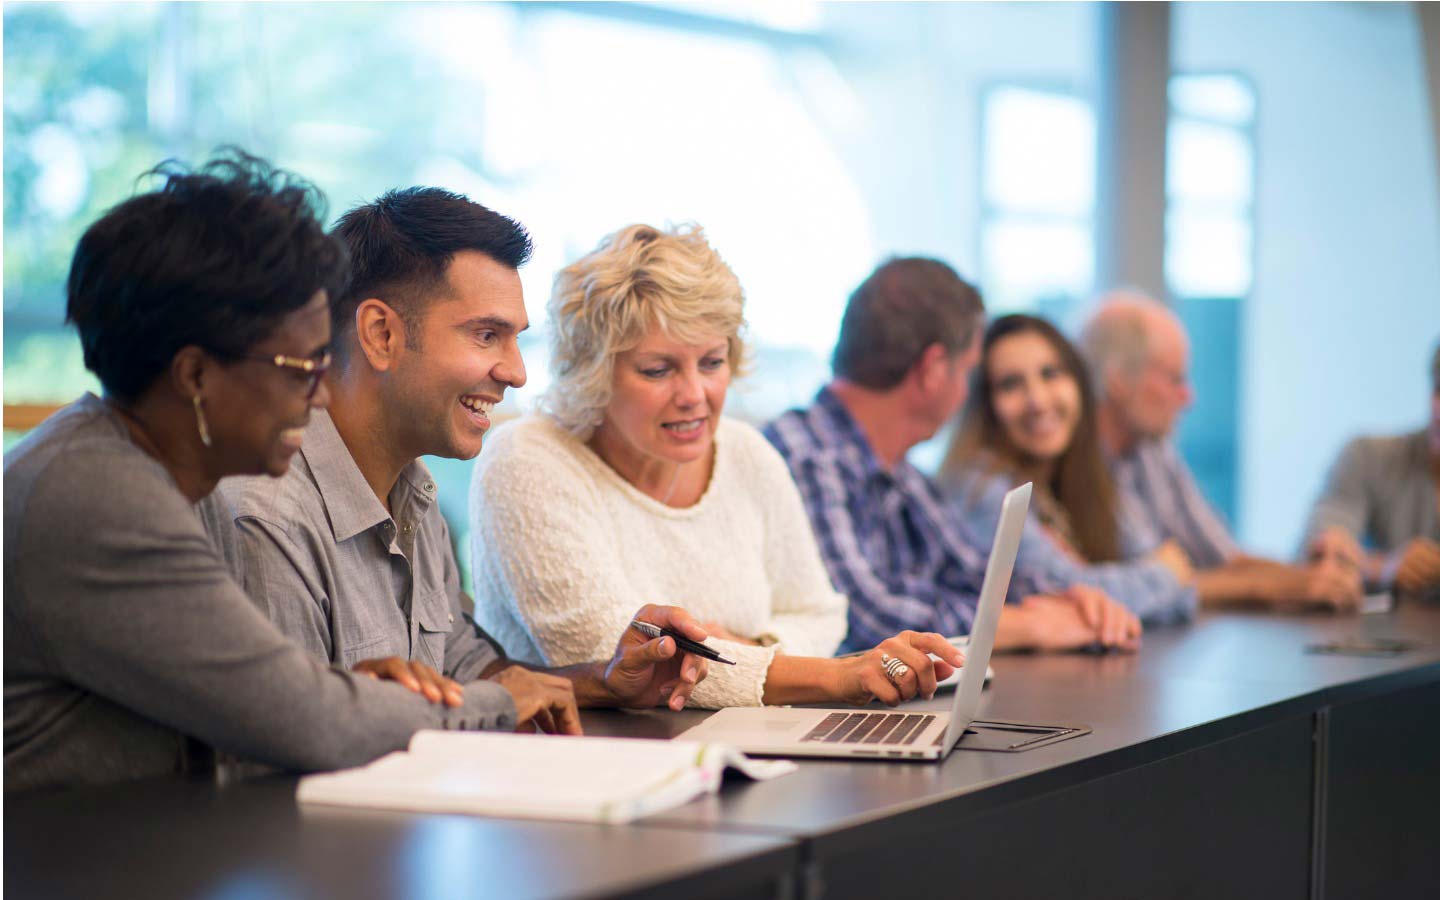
(681, 641)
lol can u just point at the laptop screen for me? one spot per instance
(987, 615)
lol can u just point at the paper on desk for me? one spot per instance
(537, 776)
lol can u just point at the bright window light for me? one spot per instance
(781, 15)
(1028, 261)
(1209, 165)
(575, 123)
(1039, 152)
(1208, 255)
(1224, 99)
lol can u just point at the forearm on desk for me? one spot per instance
(1246, 580)
(587, 679)
(801, 679)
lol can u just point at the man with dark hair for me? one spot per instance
(908, 341)
(349, 554)
(402, 245)
(1381, 505)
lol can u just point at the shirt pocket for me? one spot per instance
(377, 648)
(435, 620)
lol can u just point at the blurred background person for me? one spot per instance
(1379, 505)
(1031, 417)
(908, 342)
(1138, 355)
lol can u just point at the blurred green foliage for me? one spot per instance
(97, 94)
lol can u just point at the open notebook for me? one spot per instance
(588, 779)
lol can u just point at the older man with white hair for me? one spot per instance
(1139, 354)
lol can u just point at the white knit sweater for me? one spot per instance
(564, 551)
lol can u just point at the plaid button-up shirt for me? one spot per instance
(885, 536)
(1159, 501)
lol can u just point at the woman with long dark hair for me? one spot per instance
(1031, 417)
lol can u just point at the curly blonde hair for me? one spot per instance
(604, 303)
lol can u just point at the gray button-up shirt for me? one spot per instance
(337, 573)
(1380, 490)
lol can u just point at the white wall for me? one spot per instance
(1345, 309)
(919, 71)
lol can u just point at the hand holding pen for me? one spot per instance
(684, 643)
(648, 671)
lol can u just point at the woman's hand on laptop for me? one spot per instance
(416, 676)
(863, 678)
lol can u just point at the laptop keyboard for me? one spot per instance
(869, 728)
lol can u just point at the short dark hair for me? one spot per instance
(401, 244)
(215, 258)
(905, 305)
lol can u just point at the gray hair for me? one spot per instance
(1117, 337)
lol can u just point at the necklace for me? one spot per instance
(671, 490)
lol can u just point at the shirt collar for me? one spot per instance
(350, 504)
(829, 407)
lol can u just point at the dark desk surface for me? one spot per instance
(1224, 676)
(177, 838)
(1221, 676)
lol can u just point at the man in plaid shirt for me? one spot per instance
(908, 342)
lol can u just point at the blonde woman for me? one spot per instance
(631, 487)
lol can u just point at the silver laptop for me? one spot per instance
(786, 731)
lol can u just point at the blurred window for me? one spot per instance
(577, 120)
(1209, 270)
(1038, 194)
(1210, 186)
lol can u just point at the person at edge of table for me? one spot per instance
(1031, 417)
(1138, 355)
(130, 652)
(909, 339)
(348, 552)
(1381, 505)
(631, 484)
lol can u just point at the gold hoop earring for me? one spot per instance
(200, 420)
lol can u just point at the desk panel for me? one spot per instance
(1136, 722)
(1381, 796)
(1226, 820)
(178, 839)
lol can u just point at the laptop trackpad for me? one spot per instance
(765, 725)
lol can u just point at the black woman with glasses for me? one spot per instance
(129, 651)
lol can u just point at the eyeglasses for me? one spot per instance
(314, 369)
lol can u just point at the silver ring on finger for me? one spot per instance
(895, 669)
